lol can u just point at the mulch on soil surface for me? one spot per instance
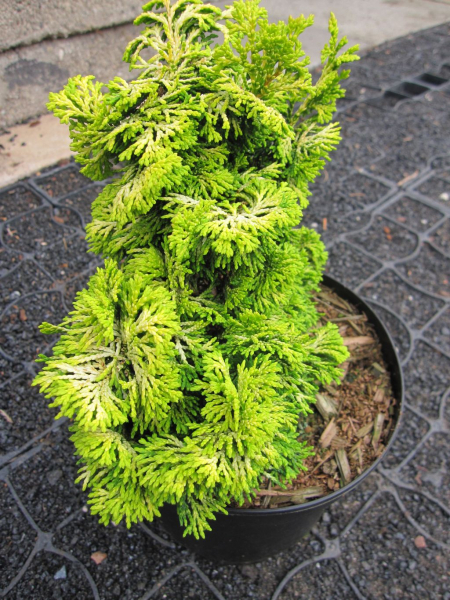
(351, 421)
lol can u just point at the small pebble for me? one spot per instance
(61, 574)
(334, 530)
(420, 542)
(250, 571)
(445, 196)
(53, 476)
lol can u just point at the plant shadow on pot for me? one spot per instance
(251, 535)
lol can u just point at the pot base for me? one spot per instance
(245, 536)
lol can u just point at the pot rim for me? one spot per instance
(391, 356)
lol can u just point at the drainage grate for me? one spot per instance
(431, 79)
(388, 99)
(444, 71)
(411, 89)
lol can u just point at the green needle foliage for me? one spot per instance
(189, 360)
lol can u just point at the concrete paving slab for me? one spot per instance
(21, 24)
(365, 22)
(28, 74)
(32, 146)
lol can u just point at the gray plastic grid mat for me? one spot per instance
(383, 208)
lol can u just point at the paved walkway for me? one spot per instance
(383, 207)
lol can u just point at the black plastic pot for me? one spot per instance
(247, 535)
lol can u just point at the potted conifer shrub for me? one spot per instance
(194, 353)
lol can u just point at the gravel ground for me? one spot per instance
(383, 208)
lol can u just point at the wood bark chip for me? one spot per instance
(333, 299)
(328, 434)
(363, 431)
(338, 442)
(326, 406)
(356, 327)
(331, 390)
(377, 429)
(349, 318)
(330, 467)
(359, 340)
(301, 496)
(343, 465)
(345, 367)
(266, 501)
(379, 395)
(294, 496)
(327, 456)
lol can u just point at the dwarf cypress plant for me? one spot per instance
(189, 360)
